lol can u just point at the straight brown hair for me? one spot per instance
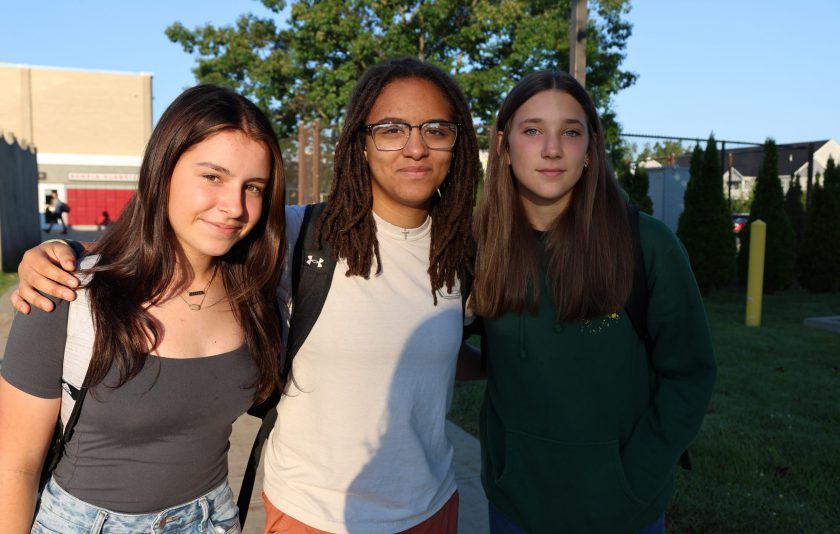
(347, 222)
(589, 245)
(141, 262)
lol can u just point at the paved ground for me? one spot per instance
(832, 324)
(473, 508)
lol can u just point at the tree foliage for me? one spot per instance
(662, 151)
(705, 225)
(769, 206)
(636, 185)
(306, 68)
(818, 261)
(795, 207)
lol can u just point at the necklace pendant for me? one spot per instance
(196, 293)
(195, 307)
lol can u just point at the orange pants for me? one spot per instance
(445, 521)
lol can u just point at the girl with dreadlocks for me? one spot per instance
(360, 443)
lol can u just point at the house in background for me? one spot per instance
(667, 183)
(89, 128)
(793, 159)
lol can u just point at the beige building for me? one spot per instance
(89, 128)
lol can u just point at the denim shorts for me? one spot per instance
(61, 513)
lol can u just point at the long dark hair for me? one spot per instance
(141, 261)
(347, 222)
(589, 246)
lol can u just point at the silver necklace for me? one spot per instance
(203, 292)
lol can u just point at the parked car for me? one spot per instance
(739, 220)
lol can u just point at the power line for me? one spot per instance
(694, 139)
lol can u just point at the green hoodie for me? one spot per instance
(580, 430)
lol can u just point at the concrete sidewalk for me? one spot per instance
(472, 516)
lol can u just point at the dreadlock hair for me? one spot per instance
(141, 261)
(589, 246)
(347, 222)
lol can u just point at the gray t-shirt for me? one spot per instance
(159, 440)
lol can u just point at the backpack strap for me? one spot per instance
(476, 327)
(313, 267)
(465, 278)
(312, 272)
(637, 304)
(61, 437)
(78, 349)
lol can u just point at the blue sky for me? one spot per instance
(743, 69)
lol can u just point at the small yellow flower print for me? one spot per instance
(595, 326)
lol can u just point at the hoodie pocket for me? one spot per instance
(580, 486)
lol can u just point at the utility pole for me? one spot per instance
(723, 170)
(810, 175)
(577, 41)
(729, 195)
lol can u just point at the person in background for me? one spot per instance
(105, 222)
(59, 209)
(583, 421)
(52, 213)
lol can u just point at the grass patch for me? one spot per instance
(767, 459)
(7, 280)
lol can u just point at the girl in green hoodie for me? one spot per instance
(582, 422)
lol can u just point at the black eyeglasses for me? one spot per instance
(436, 135)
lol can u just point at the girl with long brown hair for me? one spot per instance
(186, 337)
(583, 420)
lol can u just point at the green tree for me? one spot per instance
(743, 204)
(662, 151)
(705, 225)
(818, 261)
(769, 206)
(795, 207)
(306, 69)
(831, 178)
(636, 185)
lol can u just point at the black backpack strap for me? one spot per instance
(466, 278)
(637, 304)
(312, 271)
(312, 274)
(62, 436)
(246, 489)
(476, 328)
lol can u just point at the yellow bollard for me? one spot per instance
(755, 276)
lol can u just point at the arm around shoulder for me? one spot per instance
(45, 269)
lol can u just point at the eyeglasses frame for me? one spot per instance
(369, 129)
